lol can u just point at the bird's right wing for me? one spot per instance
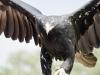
(86, 23)
(19, 20)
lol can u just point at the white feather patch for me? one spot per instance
(61, 72)
(48, 27)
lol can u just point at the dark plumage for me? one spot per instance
(61, 37)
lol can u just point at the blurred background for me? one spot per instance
(24, 59)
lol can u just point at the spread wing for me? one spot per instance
(86, 23)
(18, 20)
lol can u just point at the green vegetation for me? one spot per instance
(23, 63)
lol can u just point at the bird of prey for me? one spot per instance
(60, 37)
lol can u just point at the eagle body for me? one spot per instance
(62, 37)
(61, 33)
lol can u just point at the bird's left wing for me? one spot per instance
(18, 20)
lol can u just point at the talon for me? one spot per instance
(61, 72)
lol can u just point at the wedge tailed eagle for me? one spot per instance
(60, 37)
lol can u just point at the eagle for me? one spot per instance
(64, 37)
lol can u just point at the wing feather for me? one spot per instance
(97, 25)
(18, 21)
(9, 29)
(16, 26)
(3, 21)
(21, 26)
(35, 31)
(86, 23)
(92, 36)
(0, 22)
(31, 32)
(28, 32)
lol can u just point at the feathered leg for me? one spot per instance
(46, 62)
(66, 67)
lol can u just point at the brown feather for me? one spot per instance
(88, 60)
(3, 21)
(10, 23)
(27, 38)
(31, 31)
(16, 26)
(35, 30)
(92, 36)
(21, 27)
(97, 25)
(80, 45)
(0, 22)
(22, 15)
(85, 44)
(13, 24)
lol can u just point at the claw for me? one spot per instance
(61, 72)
